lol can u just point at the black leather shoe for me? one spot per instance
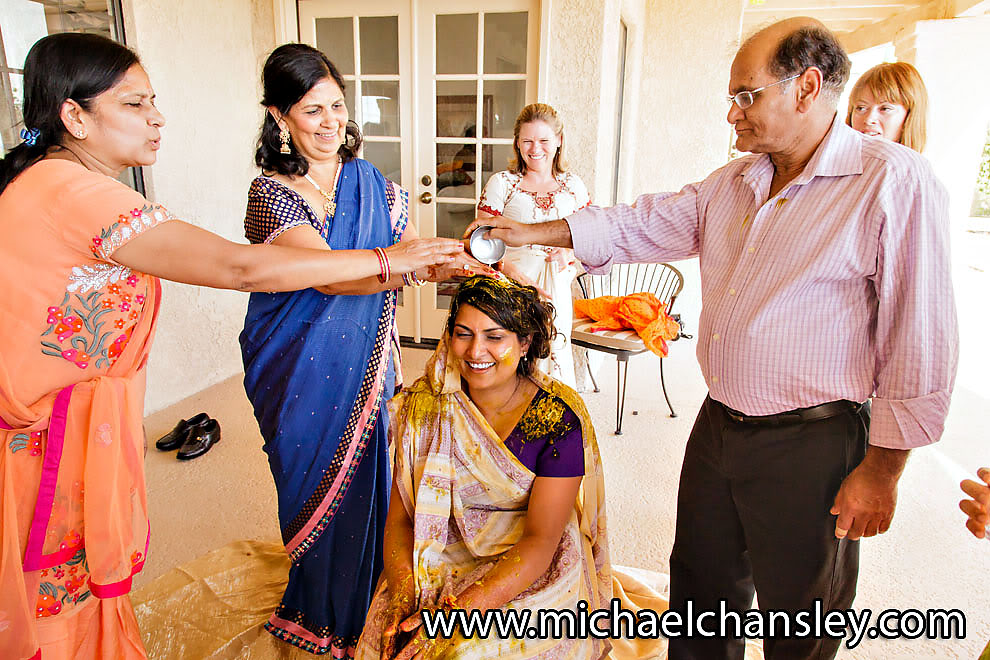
(174, 438)
(200, 440)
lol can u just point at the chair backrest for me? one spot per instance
(662, 280)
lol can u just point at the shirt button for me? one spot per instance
(732, 292)
(715, 337)
(714, 379)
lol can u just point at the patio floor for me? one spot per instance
(926, 561)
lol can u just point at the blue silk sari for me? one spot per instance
(319, 370)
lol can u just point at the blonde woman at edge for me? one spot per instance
(537, 188)
(890, 101)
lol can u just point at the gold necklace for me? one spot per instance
(330, 198)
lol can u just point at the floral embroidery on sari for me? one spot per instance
(102, 301)
(127, 227)
(64, 585)
(82, 332)
(31, 441)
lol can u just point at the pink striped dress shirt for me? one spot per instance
(838, 287)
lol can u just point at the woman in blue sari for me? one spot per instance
(318, 363)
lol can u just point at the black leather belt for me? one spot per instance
(797, 416)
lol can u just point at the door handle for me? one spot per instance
(426, 198)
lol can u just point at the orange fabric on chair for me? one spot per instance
(642, 312)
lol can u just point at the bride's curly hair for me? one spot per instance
(517, 308)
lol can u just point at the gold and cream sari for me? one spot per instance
(468, 496)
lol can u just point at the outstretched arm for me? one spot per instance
(304, 236)
(555, 233)
(182, 252)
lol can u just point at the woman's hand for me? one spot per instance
(421, 646)
(464, 265)
(978, 507)
(401, 608)
(407, 256)
(561, 258)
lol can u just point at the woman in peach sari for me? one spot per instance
(79, 267)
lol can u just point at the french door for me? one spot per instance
(435, 86)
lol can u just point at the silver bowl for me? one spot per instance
(486, 250)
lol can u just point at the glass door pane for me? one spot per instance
(477, 68)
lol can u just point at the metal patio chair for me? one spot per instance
(662, 280)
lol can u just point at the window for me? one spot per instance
(22, 23)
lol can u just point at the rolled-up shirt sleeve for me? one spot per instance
(657, 227)
(917, 335)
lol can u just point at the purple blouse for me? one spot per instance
(548, 438)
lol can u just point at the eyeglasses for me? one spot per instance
(746, 98)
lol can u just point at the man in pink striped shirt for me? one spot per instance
(826, 290)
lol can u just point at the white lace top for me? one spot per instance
(504, 196)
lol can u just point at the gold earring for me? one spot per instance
(284, 136)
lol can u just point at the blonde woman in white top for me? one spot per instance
(537, 188)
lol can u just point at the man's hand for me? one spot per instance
(555, 233)
(867, 497)
(514, 234)
(978, 507)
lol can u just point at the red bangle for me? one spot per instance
(383, 263)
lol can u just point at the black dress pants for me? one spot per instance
(753, 512)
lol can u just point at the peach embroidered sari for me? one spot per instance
(75, 332)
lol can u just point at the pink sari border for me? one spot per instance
(122, 587)
(298, 631)
(33, 559)
(60, 557)
(369, 405)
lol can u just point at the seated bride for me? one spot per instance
(497, 497)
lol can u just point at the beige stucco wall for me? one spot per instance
(574, 75)
(959, 106)
(677, 71)
(204, 60)
(683, 134)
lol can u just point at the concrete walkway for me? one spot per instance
(926, 561)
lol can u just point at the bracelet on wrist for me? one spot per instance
(386, 269)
